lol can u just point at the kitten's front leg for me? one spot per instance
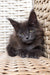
(22, 53)
(11, 51)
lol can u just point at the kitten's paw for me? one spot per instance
(11, 51)
(37, 57)
(32, 55)
(23, 56)
(22, 53)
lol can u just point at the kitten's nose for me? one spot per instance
(27, 37)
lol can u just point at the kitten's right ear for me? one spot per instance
(14, 24)
(32, 17)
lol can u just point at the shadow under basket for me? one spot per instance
(23, 66)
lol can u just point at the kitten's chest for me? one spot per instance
(29, 47)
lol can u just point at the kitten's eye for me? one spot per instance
(30, 31)
(32, 23)
(22, 33)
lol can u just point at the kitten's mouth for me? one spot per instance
(29, 42)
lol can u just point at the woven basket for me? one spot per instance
(42, 9)
(19, 10)
(24, 66)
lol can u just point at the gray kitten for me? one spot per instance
(28, 38)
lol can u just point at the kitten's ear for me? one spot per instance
(14, 24)
(32, 17)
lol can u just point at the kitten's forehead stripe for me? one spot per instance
(24, 24)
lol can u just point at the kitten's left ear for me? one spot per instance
(32, 17)
(14, 23)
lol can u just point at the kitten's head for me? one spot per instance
(26, 31)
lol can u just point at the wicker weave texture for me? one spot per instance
(15, 9)
(24, 66)
(42, 9)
